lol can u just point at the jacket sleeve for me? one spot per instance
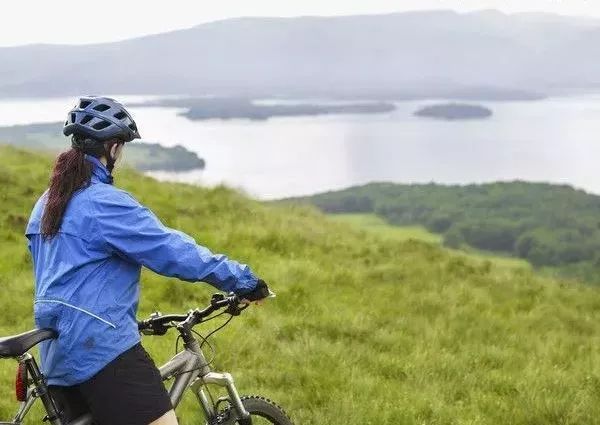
(130, 230)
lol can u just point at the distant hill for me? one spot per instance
(547, 225)
(443, 54)
(364, 329)
(141, 156)
(231, 108)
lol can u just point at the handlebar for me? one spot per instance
(158, 324)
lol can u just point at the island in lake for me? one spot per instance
(141, 156)
(454, 111)
(234, 108)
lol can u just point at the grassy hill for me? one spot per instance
(554, 227)
(365, 329)
(377, 225)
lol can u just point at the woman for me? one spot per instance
(88, 241)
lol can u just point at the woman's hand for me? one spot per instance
(259, 293)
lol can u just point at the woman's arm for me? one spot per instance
(128, 229)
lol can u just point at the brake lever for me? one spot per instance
(159, 330)
(145, 328)
(236, 309)
(152, 328)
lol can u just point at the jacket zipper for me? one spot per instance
(78, 309)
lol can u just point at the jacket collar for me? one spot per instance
(99, 171)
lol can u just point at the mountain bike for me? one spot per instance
(189, 370)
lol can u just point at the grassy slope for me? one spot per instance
(366, 330)
(377, 225)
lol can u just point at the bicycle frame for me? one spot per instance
(188, 367)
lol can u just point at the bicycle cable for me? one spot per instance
(204, 341)
(203, 321)
(216, 330)
(213, 317)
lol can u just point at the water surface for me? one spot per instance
(555, 140)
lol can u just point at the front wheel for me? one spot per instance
(262, 411)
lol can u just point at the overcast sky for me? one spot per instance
(69, 21)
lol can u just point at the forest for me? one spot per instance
(548, 225)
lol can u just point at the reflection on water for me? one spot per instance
(555, 140)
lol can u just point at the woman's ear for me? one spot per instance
(115, 150)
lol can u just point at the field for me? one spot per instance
(378, 226)
(366, 328)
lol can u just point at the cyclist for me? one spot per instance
(89, 240)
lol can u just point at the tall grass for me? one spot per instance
(365, 329)
(377, 225)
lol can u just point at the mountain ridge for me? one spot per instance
(450, 12)
(419, 54)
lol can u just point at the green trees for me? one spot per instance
(559, 247)
(548, 225)
(492, 235)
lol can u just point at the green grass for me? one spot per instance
(378, 226)
(365, 329)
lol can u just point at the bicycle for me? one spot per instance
(189, 369)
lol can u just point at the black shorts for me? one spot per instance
(128, 391)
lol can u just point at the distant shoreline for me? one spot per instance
(141, 156)
(241, 108)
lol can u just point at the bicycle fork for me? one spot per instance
(222, 379)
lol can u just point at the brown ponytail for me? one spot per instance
(71, 173)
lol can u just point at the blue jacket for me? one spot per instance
(87, 276)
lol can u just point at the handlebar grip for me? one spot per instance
(145, 327)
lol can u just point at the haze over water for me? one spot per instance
(555, 140)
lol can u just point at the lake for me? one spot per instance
(555, 140)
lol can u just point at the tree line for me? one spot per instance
(548, 225)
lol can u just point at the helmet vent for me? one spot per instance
(101, 108)
(72, 116)
(120, 115)
(101, 125)
(86, 119)
(133, 127)
(84, 104)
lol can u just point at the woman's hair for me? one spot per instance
(71, 173)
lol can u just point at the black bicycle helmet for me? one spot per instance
(100, 119)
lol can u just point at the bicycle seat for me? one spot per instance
(14, 346)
